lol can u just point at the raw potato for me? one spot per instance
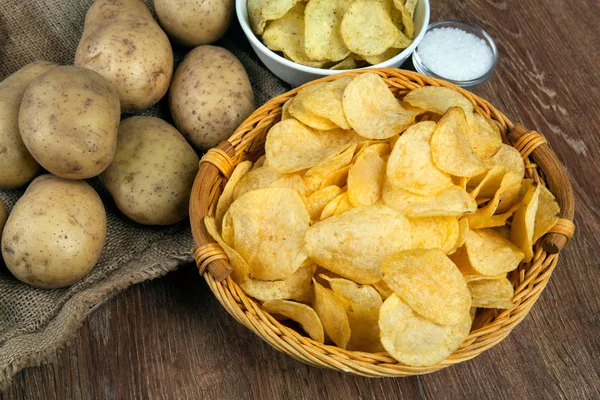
(153, 172)
(3, 216)
(123, 43)
(17, 166)
(55, 233)
(69, 120)
(194, 22)
(210, 96)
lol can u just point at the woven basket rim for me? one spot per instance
(490, 327)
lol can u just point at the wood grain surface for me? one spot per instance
(170, 339)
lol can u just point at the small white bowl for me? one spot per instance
(297, 74)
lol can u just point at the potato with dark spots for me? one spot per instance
(17, 166)
(69, 120)
(55, 233)
(122, 41)
(210, 96)
(194, 22)
(153, 171)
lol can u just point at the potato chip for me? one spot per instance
(453, 202)
(304, 115)
(523, 222)
(381, 148)
(438, 99)
(241, 270)
(302, 58)
(331, 309)
(355, 243)
(509, 192)
(460, 181)
(329, 209)
(450, 147)
(364, 295)
(472, 276)
(301, 313)
(269, 226)
(411, 167)
(492, 293)
(463, 229)
(323, 39)
(291, 146)
(285, 112)
(338, 137)
(383, 289)
(407, 19)
(314, 177)
(297, 287)
(260, 161)
(372, 110)
(227, 196)
(346, 63)
(546, 215)
(434, 233)
(364, 328)
(344, 205)
(402, 42)
(326, 100)
(489, 185)
(258, 178)
(410, 6)
(509, 158)
(291, 181)
(430, 283)
(503, 230)
(484, 138)
(262, 11)
(316, 202)
(386, 55)
(489, 253)
(367, 28)
(414, 340)
(365, 179)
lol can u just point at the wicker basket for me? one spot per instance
(490, 326)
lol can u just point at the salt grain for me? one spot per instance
(455, 54)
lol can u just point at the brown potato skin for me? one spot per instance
(55, 233)
(17, 166)
(69, 120)
(123, 43)
(153, 171)
(210, 96)
(194, 22)
(3, 216)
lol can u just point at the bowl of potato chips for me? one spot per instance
(301, 41)
(379, 222)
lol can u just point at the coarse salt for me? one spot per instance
(455, 54)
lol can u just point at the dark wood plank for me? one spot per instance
(171, 339)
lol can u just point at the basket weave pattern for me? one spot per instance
(247, 143)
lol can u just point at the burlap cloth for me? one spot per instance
(34, 323)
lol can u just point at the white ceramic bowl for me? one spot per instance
(297, 74)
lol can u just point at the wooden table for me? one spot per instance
(171, 339)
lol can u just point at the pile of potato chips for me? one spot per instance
(380, 224)
(334, 34)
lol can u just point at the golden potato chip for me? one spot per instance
(383, 289)
(386, 55)
(331, 309)
(269, 226)
(484, 138)
(463, 229)
(297, 287)
(372, 110)
(401, 42)
(323, 38)
(241, 270)
(367, 28)
(227, 196)
(329, 209)
(410, 6)
(314, 177)
(260, 161)
(381, 148)
(285, 112)
(450, 147)
(492, 293)
(429, 282)
(262, 11)
(302, 58)
(546, 215)
(346, 63)
(414, 340)
(434, 233)
(460, 181)
(407, 19)
(364, 328)
(338, 137)
(523, 222)
(489, 253)
(509, 192)
(316, 202)
(298, 110)
(473, 276)
(258, 178)
(355, 243)
(301, 313)
(291, 146)
(411, 167)
(489, 185)
(509, 158)
(344, 205)
(453, 202)
(326, 100)
(438, 99)
(365, 179)
(364, 295)
(291, 181)
(503, 230)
